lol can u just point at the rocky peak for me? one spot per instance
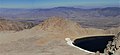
(65, 27)
(57, 24)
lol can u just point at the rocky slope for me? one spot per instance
(47, 38)
(9, 25)
(66, 27)
(113, 30)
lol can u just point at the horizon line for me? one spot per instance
(83, 7)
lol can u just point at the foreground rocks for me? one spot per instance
(113, 47)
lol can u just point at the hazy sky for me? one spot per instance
(55, 3)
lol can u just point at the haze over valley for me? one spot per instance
(96, 17)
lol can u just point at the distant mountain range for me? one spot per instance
(96, 17)
(67, 12)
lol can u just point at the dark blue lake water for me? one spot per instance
(94, 43)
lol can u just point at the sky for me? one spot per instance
(56, 3)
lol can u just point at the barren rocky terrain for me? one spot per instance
(9, 25)
(48, 38)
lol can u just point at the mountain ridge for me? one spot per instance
(58, 11)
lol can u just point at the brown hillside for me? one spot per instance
(9, 25)
(113, 30)
(66, 27)
(57, 23)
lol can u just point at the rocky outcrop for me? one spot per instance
(9, 25)
(113, 47)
